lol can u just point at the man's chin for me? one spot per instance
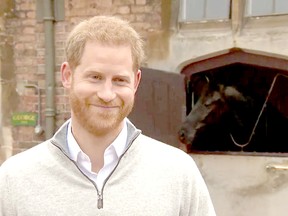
(103, 129)
(102, 124)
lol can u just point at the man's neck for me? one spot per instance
(94, 146)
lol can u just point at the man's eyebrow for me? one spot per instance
(93, 71)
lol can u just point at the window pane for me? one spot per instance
(260, 7)
(219, 9)
(281, 6)
(266, 7)
(197, 10)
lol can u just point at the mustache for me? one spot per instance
(99, 102)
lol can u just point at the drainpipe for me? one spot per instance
(48, 19)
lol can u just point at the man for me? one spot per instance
(98, 163)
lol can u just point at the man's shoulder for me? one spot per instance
(28, 157)
(165, 158)
(158, 144)
(163, 150)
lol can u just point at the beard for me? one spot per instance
(99, 122)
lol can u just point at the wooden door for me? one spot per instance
(160, 105)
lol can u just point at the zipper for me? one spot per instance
(99, 193)
(100, 201)
(100, 197)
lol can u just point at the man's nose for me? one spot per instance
(106, 91)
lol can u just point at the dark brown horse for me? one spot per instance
(223, 119)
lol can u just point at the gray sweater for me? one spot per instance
(151, 179)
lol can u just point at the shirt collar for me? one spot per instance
(119, 144)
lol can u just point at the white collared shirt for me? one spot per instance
(111, 156)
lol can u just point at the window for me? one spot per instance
(203, 10)
(266, 7)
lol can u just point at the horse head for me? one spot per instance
(214, 101)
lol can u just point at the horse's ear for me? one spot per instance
(232, 92)
(200, 78)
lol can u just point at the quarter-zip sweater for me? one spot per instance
(151, 178)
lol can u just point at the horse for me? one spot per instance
(226, 119)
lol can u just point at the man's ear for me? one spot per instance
(66, 75)
(137, 79)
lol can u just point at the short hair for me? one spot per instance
(108, 30)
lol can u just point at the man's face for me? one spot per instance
(102, 87)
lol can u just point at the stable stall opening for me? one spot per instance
(236, 108)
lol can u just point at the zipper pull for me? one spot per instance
(100, 201)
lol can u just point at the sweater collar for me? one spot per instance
(117, 146)
(60, 137)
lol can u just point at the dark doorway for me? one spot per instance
(266, 125)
